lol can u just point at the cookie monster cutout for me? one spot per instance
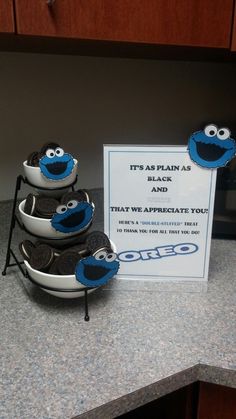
(212, 147)
(75, 216)
(56, 164)
(97, 270)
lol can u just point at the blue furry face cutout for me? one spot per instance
(74, 216)
(97, 270)
(212, 147)
(56, 164)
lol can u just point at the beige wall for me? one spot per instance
(83, 102)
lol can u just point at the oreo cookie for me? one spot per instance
(33, 159)
(45, 207)
(80, 196)
(46, 146)
(97, 240)
(26, 248)
(81, 249)
(53, 268)
(56, 252)
(30, 202)
(38, 242)
(67, 262)
(41, 257)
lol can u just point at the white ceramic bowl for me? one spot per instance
(36, 178)
(57, 281)
(42, 227)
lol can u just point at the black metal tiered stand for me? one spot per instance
(15, 220)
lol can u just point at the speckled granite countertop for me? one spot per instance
(138, 345)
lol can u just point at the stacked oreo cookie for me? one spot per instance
(45, 258)
(40, 206)
(63, 220)
(45, 207)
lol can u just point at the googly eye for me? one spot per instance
(59, 152)
(223, 133)
(210, 130)
(61, 209)
(110, 257)
(100, 255)
(72, 204)
(50, 153)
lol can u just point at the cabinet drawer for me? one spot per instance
(204, 23)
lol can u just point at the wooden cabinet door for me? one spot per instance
(175, 22)
(216, 402)
(6, 16)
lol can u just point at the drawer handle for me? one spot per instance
(50, 2)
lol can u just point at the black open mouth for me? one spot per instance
(209, 152)
(93, 272)
(73, 220)
(56, 168)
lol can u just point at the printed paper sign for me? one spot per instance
(158, 209)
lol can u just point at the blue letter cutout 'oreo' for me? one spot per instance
(56, 164)
(212, 147)
(75, 216)
(97, 270)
